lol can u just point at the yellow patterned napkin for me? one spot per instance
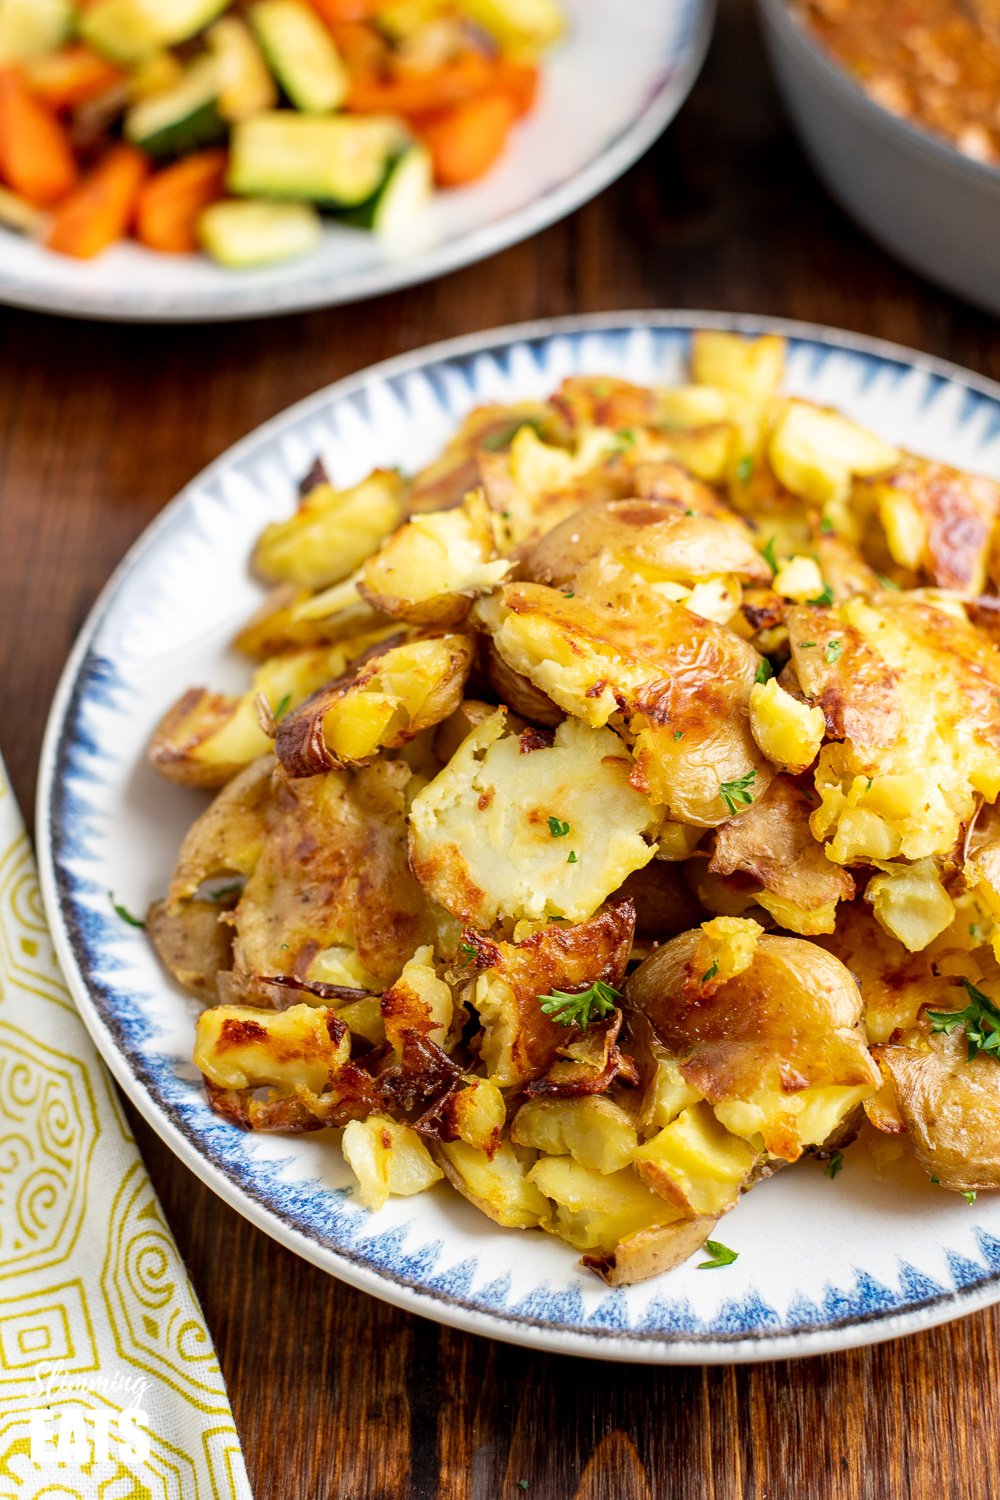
(109, 1383)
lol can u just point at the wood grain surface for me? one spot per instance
(337, 1395)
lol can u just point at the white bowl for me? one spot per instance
(935, 209)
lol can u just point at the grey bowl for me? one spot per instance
(935, 209)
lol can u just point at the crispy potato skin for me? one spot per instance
(959, 512)
(228, 837)
(193, 942)
(950, 1107)
(651, 1252)
(772, 843)
(192, 720)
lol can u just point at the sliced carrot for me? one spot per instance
(101, 209)
(169, 202)
(412, 92)
(360, 46)
(334, 11)
(73, 76)
(464, 142)
(520, 81)
(36, 158)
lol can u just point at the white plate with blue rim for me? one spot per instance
(607, 91)
(823, 1263)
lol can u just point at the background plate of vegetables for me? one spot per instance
(862, 1241)
(203, 159)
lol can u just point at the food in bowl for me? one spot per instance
(935, 63)
(610, 819)
(202, 124)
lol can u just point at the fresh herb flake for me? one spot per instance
(557, 828)
(980, 1018)
(737, 793)
(626, 438)
(835, 1163)
(522, 1484)
(568, 594)
(826, 526)
(721, 1256)
(690, 512)
(826, 597)
(806, 645)
(468, 952)
(765, 671)
(495, 442)
(678, 734)
(832, 652)
(888, 583)
(744, 469)
(580, 1009)
(970, 1198)
(767, 551)
(124, 913)
(710, 973)
(223, 892)
(572, 858)
(282, 708)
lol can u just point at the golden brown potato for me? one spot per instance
(949, 1107)
(486, 431)
(498, 1185)
(332, 532)
(773, 844)
(229, 835)
(656, 540)
(516, 692)
(777, 1050)
(430, 570)
(520, 1042)
(397, 691)
(192, 942)
(938, 521)
(650, 1252)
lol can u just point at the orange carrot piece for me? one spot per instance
(73, 76)
(101, 209)
(413, 92)
(335, 11)
(520, 81)
(170, 201)
(464, 142)
(36, 158)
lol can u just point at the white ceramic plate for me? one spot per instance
(608, 90)
(823, 1264)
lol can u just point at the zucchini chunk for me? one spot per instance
(256, 234)
(302, 54)
(339, 161)
(182, 118)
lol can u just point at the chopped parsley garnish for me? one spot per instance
(835, 1163)
(568, 594)
(737, 793)
(806, 645)
(765, 671)
(887, 583)
(522, 1484)
(282, 708)
(690, 512)
(974, 931)
(572, 859)
(767, 551)
(223, 892)
(468, 952)
(626, 437)
(869, 783)
(582, 1008)
(744, 469)
(833, 650)
(980, 1018)
(493, 442)
(826, 526)
(721, 1256)
(826, 597)
(678, 734)
(557, 828)
(710, 973)
(970, 1198)
(124, 913)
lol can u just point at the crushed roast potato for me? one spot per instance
(608, 819)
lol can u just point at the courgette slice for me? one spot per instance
(245, 83)
(182, 118)
(29, 28)
(339, 161)
(302, 54)
(127, 31)
(402, 197)
(520, 26)
(17, 213)
(252, 233)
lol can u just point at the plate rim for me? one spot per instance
(610, 163)
(852, 1331)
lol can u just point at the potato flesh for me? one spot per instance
(594, 1210)
(500, 1185)
(596, 1132)
(696, 1163)
(238, 1047)
(332, 532)
(414, 686)
(790, 733)
(481, 839)
(435, 564)
(387, 1157)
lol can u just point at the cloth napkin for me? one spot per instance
(109, 1382)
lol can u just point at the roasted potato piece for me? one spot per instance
(229, 835)
(938, 521)
(748, 367)
(386, 1157)
(595, 1210)
(430, 570)
(241, 1048)
(520, 1042)
(593, 1130)
(773, 844)
(331, 898)
(193, 943)
(789, 732)
(682, 683)
(397, 691)
(419, 1001)
(498, 1185)
(518, 694)
(516, 828)
(664, 902)
(473, 1111)
(895, 984)
(912, 689)
(777, 1049)
(949, 1106)
(207, 738)
(650, 1252)
(589, 1062)
(332, 532)
(488, 430)
(696, 1163)
(911, 903)
(815, 452)
(656, 540)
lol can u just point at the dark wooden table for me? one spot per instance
(337, 1395)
